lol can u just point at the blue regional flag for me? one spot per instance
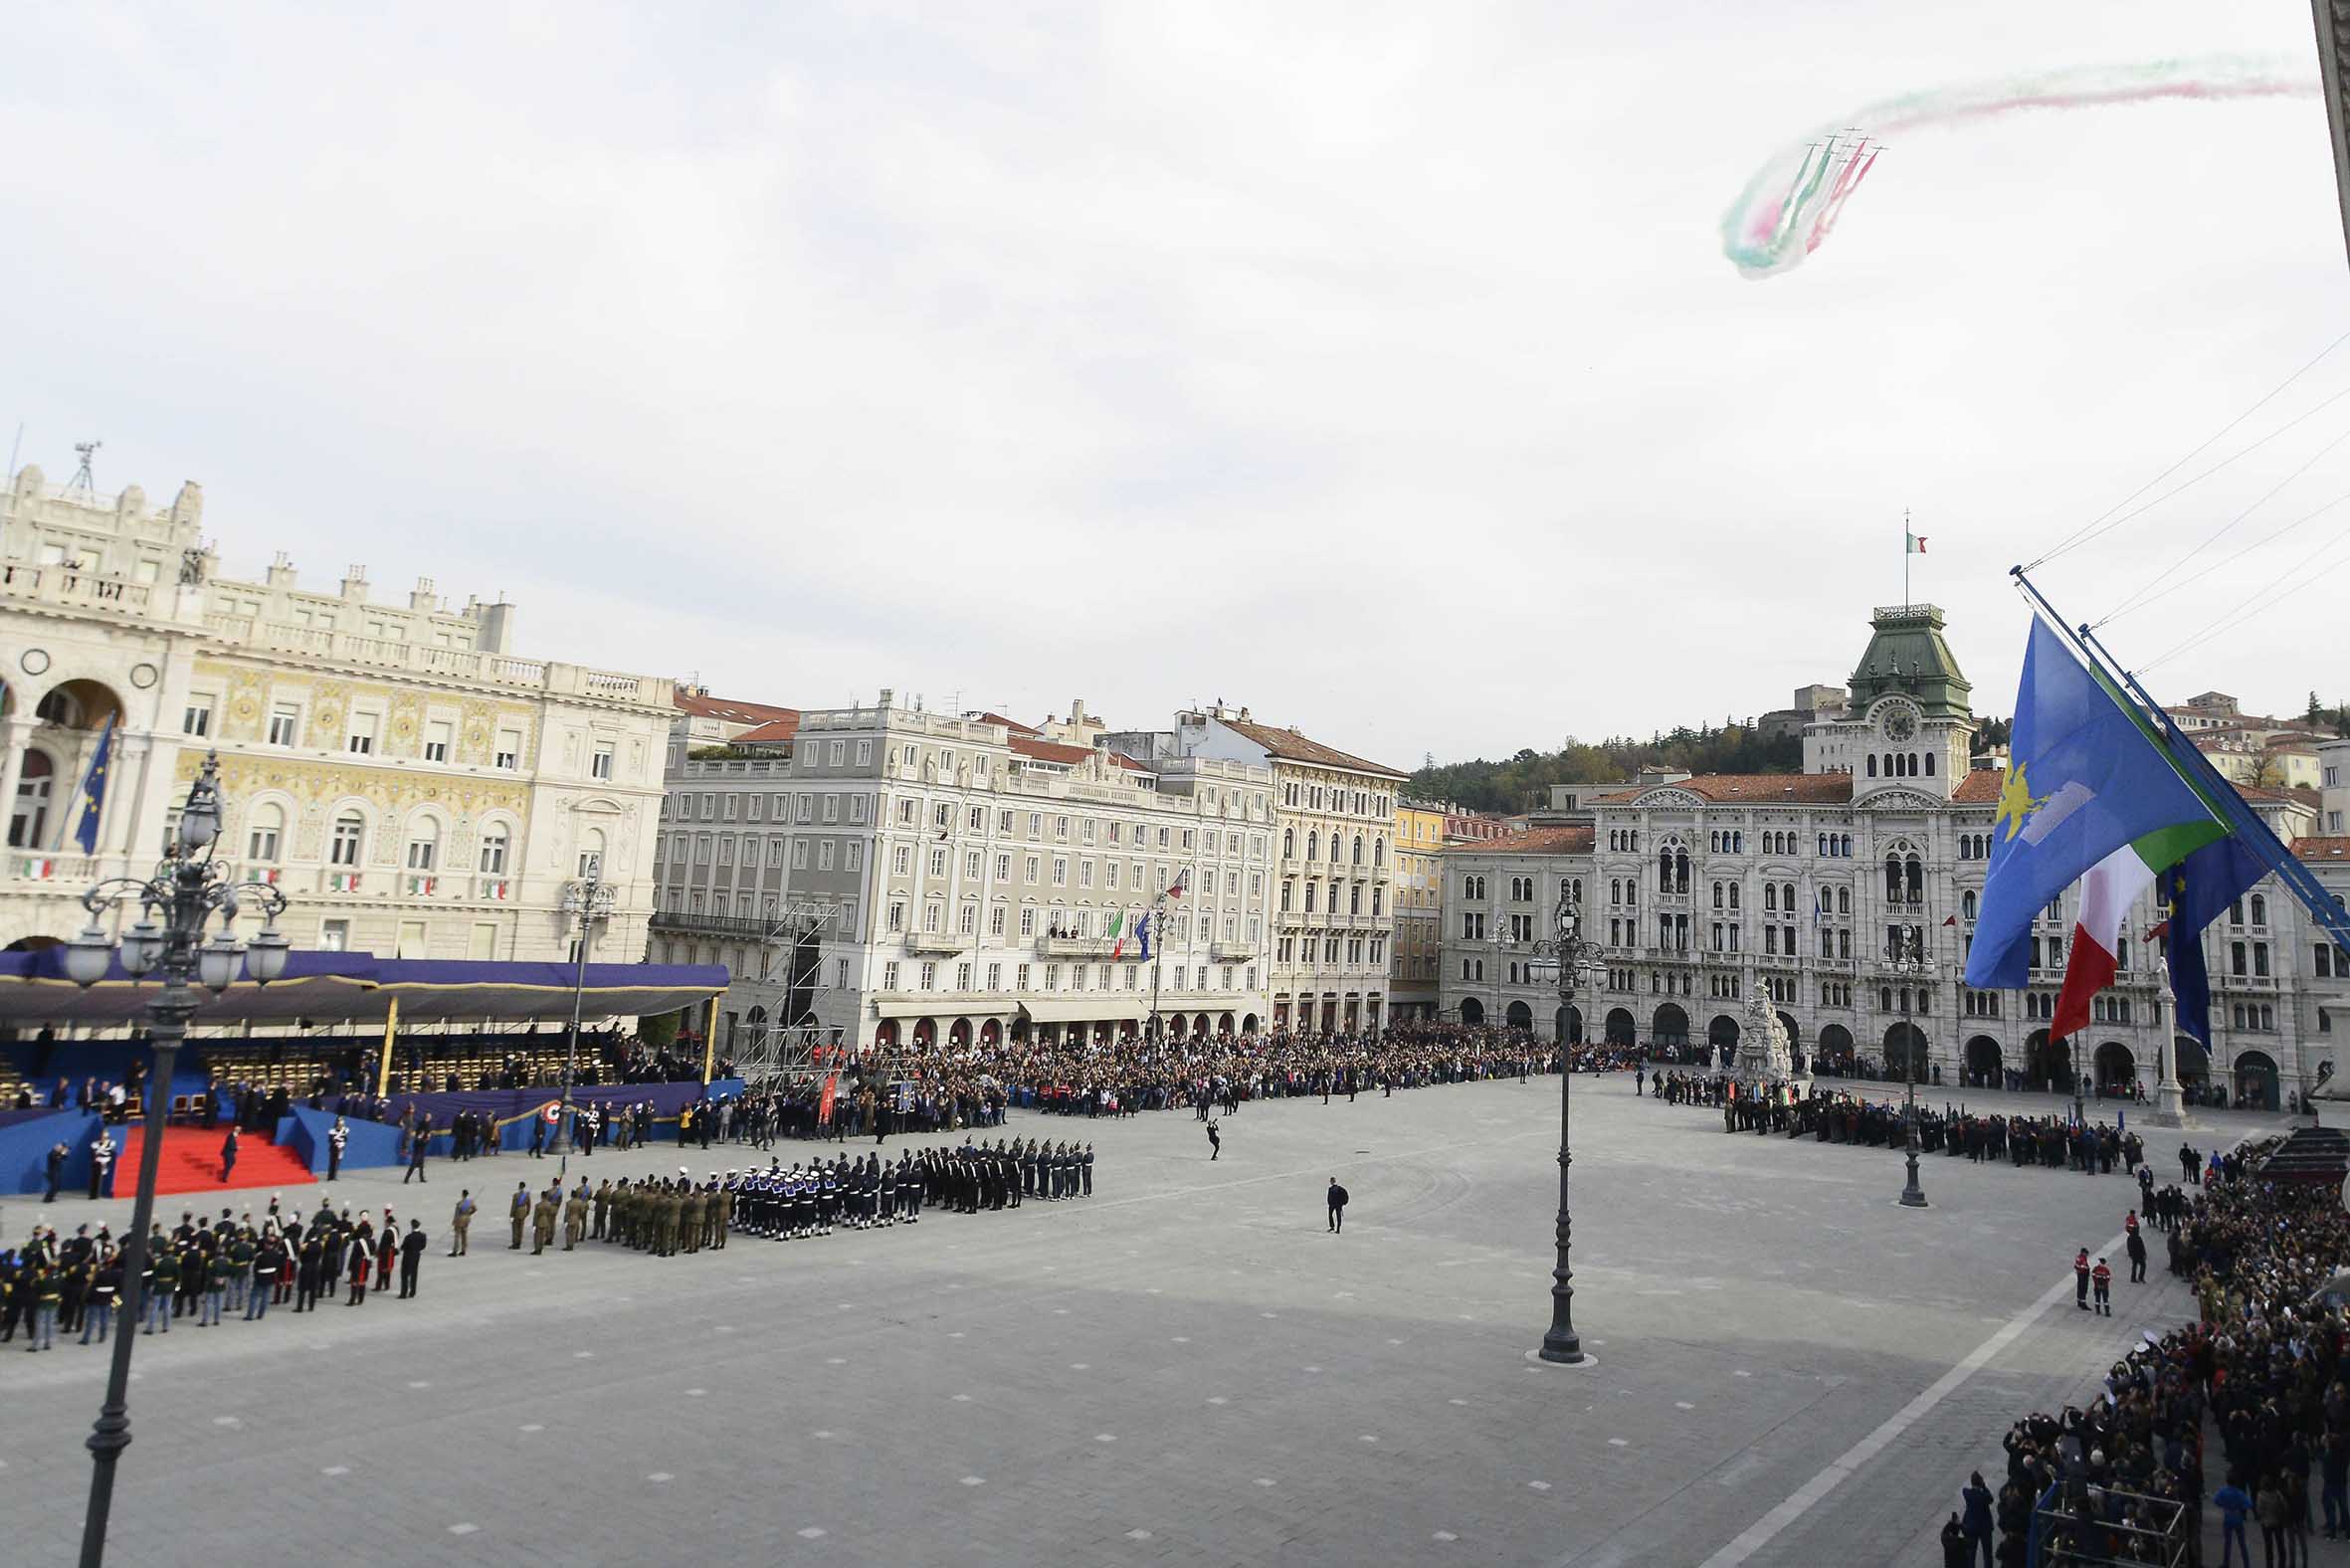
(2087, 776)
(94, 791)
(1142, 935)
(2197, 890)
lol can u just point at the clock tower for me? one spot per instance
(1911, 725)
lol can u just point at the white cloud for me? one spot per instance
(1375, 366)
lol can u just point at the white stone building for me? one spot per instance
(1703, 888)
(973, 870)
(414, 786)
(1331, 918)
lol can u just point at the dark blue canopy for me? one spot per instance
(327, 988)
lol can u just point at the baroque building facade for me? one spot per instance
(414, 786)
(1806, 888)
(953, 880)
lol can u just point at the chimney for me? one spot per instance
(424, 598)
(281, 573)
(355, 585)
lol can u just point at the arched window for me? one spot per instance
(1379, 850)
(1846, 846)
(591, 854)
(1771, 897)
(1680, 872)
(1358, 849)
(423, 843)
(1289, 844)
(1967, 903)
(493, 845)
(1314, 845)
(1333, 849)
(1733, 895)
(348, 840)
(1844, 900)
(1787, 896)
(1823, 845)
(1892, 879)
(1930, 764)
(2259, 909)
(1873, 765)
(1918, 881)
(262, 840)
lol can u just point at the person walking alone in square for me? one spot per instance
(1337, 1201)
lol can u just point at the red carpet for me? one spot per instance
(191, 1163)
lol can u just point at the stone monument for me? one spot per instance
(1765, 1055)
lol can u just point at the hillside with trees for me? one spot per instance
(1522, 782)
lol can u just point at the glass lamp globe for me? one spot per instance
(217, 962)
(87, 956)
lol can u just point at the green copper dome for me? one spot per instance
(1906, 653)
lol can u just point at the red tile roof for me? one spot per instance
(1980, 787)
(1533, 841)
(2325, 852)
(1030, 746)
(1754, 789)
(1291, 746)
(1012, 724)
(729, 708)
(770, 734)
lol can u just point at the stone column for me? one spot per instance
(2169, 1108)
(126, 792)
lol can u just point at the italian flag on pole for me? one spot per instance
(2111, 886)
(1117, 935)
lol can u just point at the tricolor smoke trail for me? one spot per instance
(1788, 207)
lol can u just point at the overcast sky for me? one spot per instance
(1375, 366)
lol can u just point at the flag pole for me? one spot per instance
(2240, 819)
(1905, 558)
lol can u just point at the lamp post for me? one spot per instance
(1574, 956)
(187, 892)
(1909, 963)
(590, 899)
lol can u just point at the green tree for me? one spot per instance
(659, 1030)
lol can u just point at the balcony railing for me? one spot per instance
(1073, 946)
(934, 942)
(68, 585)
(1232, 952)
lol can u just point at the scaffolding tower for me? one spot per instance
(785, 1044)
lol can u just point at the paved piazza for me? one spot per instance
(1185, 1369)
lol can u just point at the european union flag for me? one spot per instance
(2197, 890)
(94, 791)
(2087, 776)
(1142, 934)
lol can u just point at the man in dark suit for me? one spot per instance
(1338, 1200)
(412, 1248)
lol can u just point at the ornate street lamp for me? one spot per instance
(188, 892)
(589, 899)
(1574, 957)
(1910, 964)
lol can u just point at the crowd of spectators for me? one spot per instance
(2246, 1410)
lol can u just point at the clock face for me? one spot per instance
(1900, 724)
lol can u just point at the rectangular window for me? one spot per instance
(196, 718)
(412, 939)
(823, 855)
(889, 969)
(343, 847)
(995, 977)
(929, 980)
(962, 977)
(1028, 927)
(727, 807)
(334, 937)
(481, 942)
(600, 761)
(509, 756)
(361, 739)
(285, 724)
(1020, 978)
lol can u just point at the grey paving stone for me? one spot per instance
(1759, 1306)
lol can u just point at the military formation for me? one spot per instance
(666, 1214)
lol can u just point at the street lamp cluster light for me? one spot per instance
(1908, 964)
(188, 892)
(1574, 958)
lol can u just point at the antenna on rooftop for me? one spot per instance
(84, 484)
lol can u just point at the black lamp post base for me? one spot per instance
(1543, 1358)
(1914, 1200)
